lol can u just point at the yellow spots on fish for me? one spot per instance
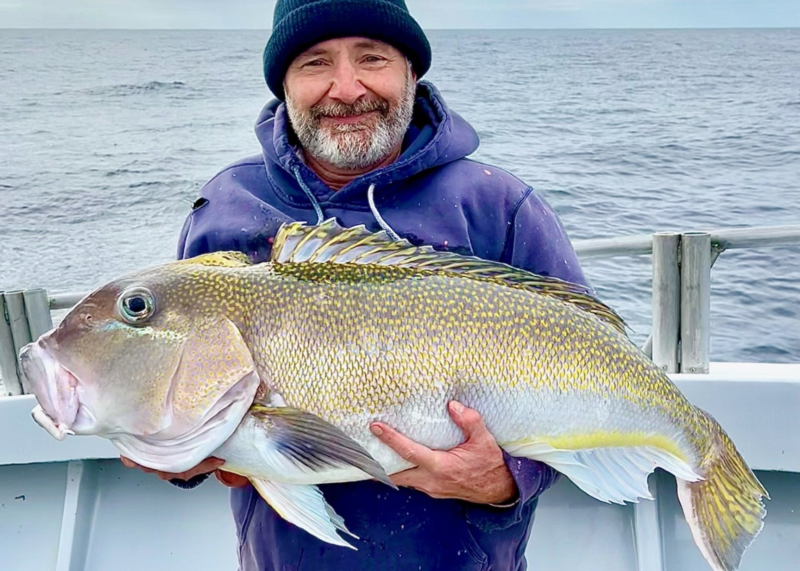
(217, 259)
(350, 343)
(155, 333)
(363, 338)
(347, 340)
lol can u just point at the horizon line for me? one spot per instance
(100, 29)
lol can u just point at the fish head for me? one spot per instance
(154, 358)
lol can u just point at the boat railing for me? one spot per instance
(681, 304)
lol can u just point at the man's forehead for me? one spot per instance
(338, 44)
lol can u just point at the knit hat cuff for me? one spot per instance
(316, 22)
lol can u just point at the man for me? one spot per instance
(353, 135)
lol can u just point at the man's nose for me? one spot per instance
(346, 86)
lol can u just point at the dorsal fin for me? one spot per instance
(329, 242)
(219, 259)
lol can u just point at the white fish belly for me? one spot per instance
(510, 415)
(519, 415)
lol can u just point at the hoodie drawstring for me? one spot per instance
(383, 224)
(370, 199)
(310, 195)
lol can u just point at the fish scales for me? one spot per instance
(351, 342)
(278, 368)
(347, 342)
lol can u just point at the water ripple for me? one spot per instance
(109, 135)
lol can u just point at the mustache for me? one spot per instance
(340, 109)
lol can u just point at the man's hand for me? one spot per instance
(474, 471)
(206, 466)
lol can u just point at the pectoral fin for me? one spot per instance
(305, 507)
(313, 443)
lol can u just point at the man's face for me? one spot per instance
(350, 101)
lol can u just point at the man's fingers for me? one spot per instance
(128, 463)
(469, 421)
(411, 478)
(421, 480)
(408, 449)
(418, 479)
(230, 479)
(206, 466)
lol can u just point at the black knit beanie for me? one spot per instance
(300, 24)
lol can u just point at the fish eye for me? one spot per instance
(136, 305)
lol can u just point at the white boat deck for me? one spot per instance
(72, 506)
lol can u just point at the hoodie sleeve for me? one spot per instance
(535, 241)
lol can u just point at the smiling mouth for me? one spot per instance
(349, 119)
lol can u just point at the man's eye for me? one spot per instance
(373, 59)
(314, 63)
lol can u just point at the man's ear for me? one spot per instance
(411, 70)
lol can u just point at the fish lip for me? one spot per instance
(44, 420)
(55, 388)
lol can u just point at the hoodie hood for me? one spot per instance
(436, 136)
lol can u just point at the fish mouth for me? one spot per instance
(55, 389)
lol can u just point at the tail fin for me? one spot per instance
(724, 510)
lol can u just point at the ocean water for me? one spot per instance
(107, 136)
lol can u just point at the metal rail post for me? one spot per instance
(15, 306)
(695, 301)
(25, 316)
(37, 310)
(18, 323)
(666, 300)
(8, 355)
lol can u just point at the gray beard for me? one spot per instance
(353, 147)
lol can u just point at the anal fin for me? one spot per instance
(305, 507)
(611, 474)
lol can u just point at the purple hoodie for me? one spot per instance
(434, 195)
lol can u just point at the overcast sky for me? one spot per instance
(236, 14)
